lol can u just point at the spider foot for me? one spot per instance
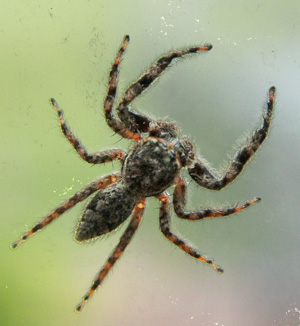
(54, 103)
(210, 262)
(247, 204)
(84, 301)
(206, 47)
(80, 306)
(16, 244)
(58, 110)
(272, 91)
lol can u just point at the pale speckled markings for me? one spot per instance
(164, 218)
(200, 172)
(69, 203)
(179, 202)
(135, 221)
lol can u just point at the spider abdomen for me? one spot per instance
(105, 212)
(150, 167)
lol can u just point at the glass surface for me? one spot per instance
(65, 49)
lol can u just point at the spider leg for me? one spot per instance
(136, 219)
(116, 125)
(95, 158)
(201, 174)
(146, 79)
(69, 203)
(164, 216)
(179, 201)
(134, 121)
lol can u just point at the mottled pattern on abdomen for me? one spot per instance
(105, 212)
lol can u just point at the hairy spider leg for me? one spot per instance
(200, 172)
(69, 203)
(179, 202)
(95, 158)
(135, 221)
(164, 217)
(149, 76)
(116, 125)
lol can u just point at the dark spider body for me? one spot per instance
(152, 165)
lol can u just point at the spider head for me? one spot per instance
(163, 129)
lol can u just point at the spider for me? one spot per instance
(152, 165)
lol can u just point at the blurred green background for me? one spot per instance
(64, 49)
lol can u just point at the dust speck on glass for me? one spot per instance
(152, 165)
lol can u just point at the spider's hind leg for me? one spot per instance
(136, 219)
(164, 217)
(69, 203)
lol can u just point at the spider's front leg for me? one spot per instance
(164, 217)
(95, 158)
(200, 172)
(69, 203)
(135, 121)
(119, 127)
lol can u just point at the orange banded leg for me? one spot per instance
(95, 158)
(179, 201)
(149, 76)
(78, 197)
(111, 120)
(164, 217)
(204, 177)
(135, 221)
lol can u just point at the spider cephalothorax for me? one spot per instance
(152, 165)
